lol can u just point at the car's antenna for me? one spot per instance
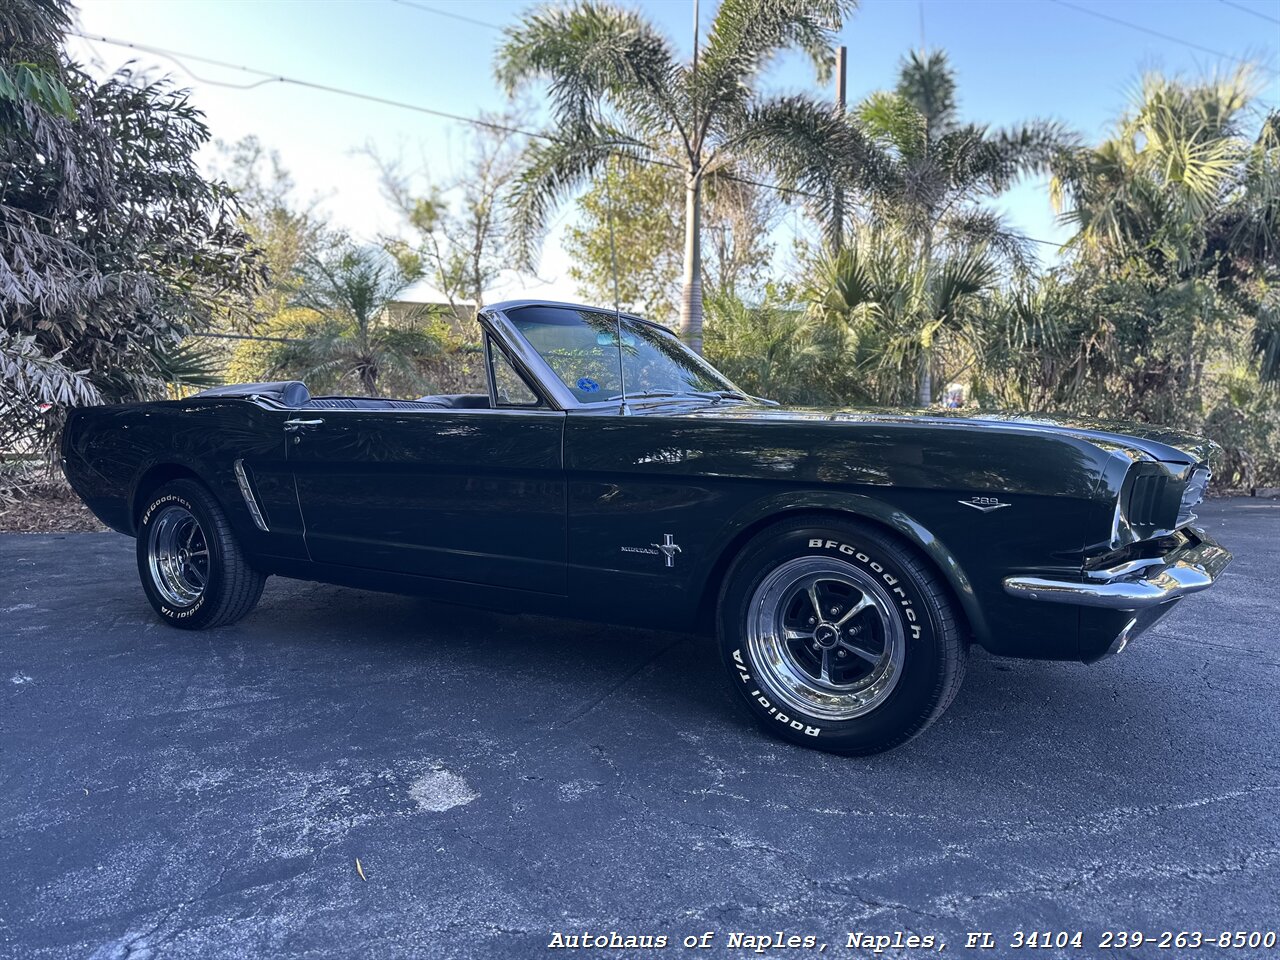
(617, 307)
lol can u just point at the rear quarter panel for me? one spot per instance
(109, 452)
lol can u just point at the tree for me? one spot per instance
(617, 89)
(630, 215)
(113, 245)
(645, 204)
(927, 174)
(895, 304)
(458, 242)
(281, 232)
(778, 350)
(350, 288)
(271, 353)
(1176, 215)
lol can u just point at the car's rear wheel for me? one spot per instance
(193, 570)
(839, 636)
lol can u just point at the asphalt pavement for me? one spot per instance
(503, 778)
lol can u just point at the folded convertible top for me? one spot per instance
(289, 393)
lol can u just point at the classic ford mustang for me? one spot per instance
(845, 560)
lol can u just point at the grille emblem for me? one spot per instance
(984, 504)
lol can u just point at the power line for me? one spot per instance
(1156, 33)
(268, 77)
(425, 8)
(1256, 13)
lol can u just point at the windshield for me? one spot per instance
(581, 347)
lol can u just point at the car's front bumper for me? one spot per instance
(1136, 584)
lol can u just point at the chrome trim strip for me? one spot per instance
(522, 354)
(250, 500)
(1132, 585)
(490, 374)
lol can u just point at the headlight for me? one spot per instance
(1192, 494)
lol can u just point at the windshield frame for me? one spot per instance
(495, 318)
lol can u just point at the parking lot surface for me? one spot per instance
(501, 778)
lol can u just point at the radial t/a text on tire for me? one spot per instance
(192, 568)
(839, 635)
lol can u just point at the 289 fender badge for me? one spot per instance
(985, 504)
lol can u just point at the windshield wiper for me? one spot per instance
(715, 396)
(646, 393)
(719, 396)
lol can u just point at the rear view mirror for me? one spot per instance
(611, 340)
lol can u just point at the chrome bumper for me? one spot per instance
(1134, 585)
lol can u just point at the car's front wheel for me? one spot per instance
(839, 636)
(192, 569)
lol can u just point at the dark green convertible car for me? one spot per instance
(845, 560)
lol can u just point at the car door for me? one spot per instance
(470, 495)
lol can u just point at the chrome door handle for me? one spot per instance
(292, 426)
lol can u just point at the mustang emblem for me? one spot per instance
(668, 548)
(985, 504)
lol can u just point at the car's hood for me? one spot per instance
(1161, 443)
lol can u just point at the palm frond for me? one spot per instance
(986, 228)
(957, 280)
(1026, 149)
(592, 53)
(893, 120)
(191, 363)
(927, 82)
(349, 284)
(810, 149)
(746, 34)
(552, 171)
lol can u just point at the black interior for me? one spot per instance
(445, 401)
(294, 394)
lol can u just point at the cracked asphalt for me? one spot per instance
(501, 778)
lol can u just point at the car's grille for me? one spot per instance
(1146, 500)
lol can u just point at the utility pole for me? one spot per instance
(691, 286)
(837, 199)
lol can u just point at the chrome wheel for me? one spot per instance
(825, 637)
(178, 556)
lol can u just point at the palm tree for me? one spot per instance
(1180, 184)
(617, 89)
(926, 174)
(896, 306)
(1184, 194)
(349, 288)
(777, 350)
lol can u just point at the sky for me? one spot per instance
(1014, 59)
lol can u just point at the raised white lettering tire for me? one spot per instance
(839, 635)
(192, 568)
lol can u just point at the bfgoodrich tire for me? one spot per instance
(193, 570)
(839, 636)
